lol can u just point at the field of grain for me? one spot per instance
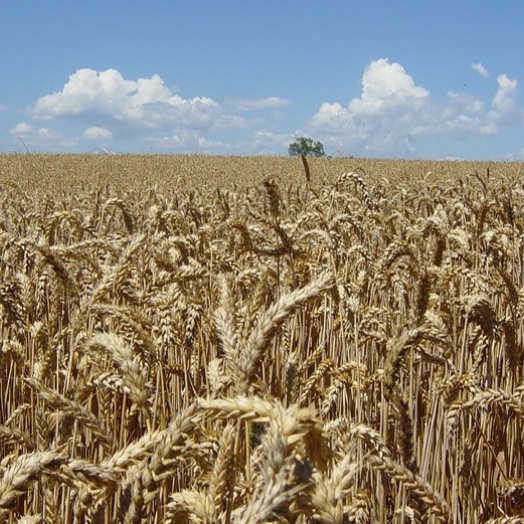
(248, 340)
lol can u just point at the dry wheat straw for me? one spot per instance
(189, 358)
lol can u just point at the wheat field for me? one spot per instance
(191, 339)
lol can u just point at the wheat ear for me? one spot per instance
(26, 468)
(271, 320)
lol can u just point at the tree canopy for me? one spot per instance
(306, 146)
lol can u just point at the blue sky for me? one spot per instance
(388, 78)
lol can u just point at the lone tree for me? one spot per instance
(306, 146)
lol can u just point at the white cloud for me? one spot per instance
(183, 140)
(42, 137)
(95, 133)
(126, 108)
(22, 129)
(258, 142)
(390, 115)
(385, 116)
(385, 83)
(480, 69)
(392, 111)
(504, 97)
(109, 106)
(264, 142)
(257, 104)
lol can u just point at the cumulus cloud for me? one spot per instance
(385, 83)
(111, 107)
(480, 69)
(183, 140)
(22, 129)
(42, 137)
(384, 117)
(125, 108)
(258, 142)
(95, 133)
(503, 100)
(392, 112)
(270, 102)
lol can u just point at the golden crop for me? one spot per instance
(227, 340)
